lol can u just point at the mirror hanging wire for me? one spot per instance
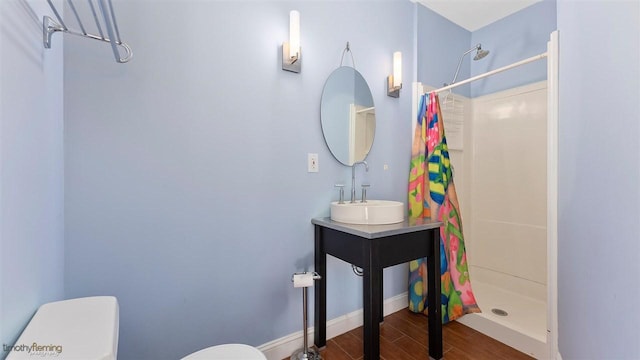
(346, 50)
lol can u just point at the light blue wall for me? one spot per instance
(440, 45)
(31, 168)
(511, 39)
(187, 194)
(599, 180)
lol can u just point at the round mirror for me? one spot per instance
(347, 115)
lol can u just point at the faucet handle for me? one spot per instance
(364, 192)
(341, 186)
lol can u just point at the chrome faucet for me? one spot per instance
(353, 178)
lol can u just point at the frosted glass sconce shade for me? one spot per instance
(291, 54)
(394, 81)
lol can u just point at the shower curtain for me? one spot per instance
(432, 194)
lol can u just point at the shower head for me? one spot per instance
(480, 53)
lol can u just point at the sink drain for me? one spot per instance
(499, 312)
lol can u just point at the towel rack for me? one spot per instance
(50, 26)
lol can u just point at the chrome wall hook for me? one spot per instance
(346, 50)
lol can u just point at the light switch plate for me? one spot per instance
(312, 162)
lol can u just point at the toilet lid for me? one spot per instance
(227, 352)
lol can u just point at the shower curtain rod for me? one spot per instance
(492, 72)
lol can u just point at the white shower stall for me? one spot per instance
(498, 149)
(504, 162)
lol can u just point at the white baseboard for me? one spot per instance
(285, 346)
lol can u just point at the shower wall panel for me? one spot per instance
(507, 154)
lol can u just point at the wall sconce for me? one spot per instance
(291, 54)
(394, 82)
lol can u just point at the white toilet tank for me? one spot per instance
(84, 328)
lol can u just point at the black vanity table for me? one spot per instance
(372, 248)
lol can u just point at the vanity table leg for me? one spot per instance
(320, 291)
(372, 294)
(381, 296)
(433, 297)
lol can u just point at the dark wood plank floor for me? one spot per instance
(403, 336)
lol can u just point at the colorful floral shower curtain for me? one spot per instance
(432, 194)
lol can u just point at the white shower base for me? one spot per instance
(525, 328)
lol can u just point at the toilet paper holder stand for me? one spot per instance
(305, 280)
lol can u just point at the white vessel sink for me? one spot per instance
(372, 212)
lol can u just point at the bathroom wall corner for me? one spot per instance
(31, 168)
